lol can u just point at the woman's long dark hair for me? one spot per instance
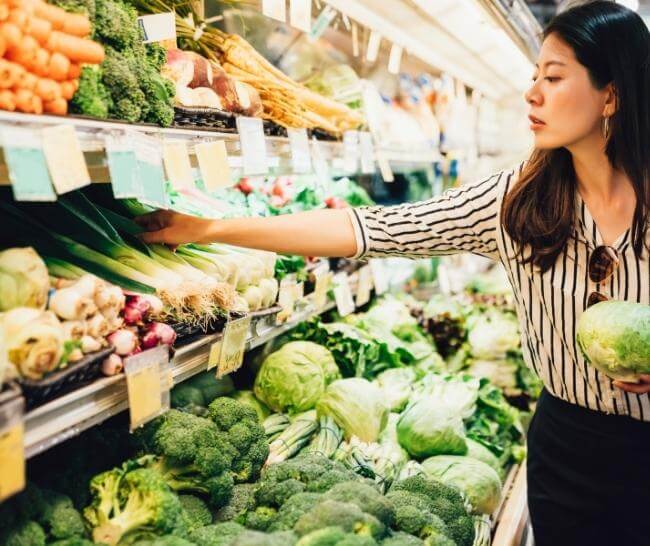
(613, 43)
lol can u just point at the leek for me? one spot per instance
(62, 269)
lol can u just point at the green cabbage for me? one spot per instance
(396, 385)
(614, 336)
(357, 406)
(249, 399)
(476, 479)
(478, 451)
(292, 379)
(492, 334)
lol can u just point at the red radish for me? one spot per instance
(179, 67)
(202, 75)
(112, 365)
(158, 333)
(124, 341)
(245, 186)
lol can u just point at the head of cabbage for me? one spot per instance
(292, 379)
(396, 385)
(357, 406)
(614, 337)
(476, 479)
(493, 333)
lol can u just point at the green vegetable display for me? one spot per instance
(293, 378)
(476, 479)
(493, 333)
(357, 406)
(614, 337)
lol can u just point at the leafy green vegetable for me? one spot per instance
(614, 336)
(493, 333)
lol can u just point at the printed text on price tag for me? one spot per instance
(233, 345)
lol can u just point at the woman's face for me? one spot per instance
(565, 107)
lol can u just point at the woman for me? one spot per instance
(571, 228)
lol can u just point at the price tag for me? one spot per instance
(384, 168)
(122, 165)
(213, 357)
(343, 294)
(150, 170)
(30, 180)
(351, 151)
(395, 59)
(367, 153)
(320, 165)
(253, 145)
(213, 164)
(300, 152)
(321, 23)
(373, 46)
(147, 383)
(233, 345)
(177, 165)
(12, 448)
(158, 27)
(355, 40)
(64, 157)
(275, 9)
(323, 283)
(287, 297)
(364, 287)
(379, 276)
(300, 14)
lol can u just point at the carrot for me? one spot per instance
(11, 33)
(74, 72)
(76, 24)
(59, 66)
(37, 105)
(53, 14)
(76, 49)
(3, 46)
(40, 66)
(38, 28)
(47, 89)
(7, 100)
(68, 89)
(27, 102)
(18, 17)
(10, 73)
(57, 106)
(25, 52)
(4, 12)
(27, 80)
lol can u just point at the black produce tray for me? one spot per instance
(204, 118)
(8, 392)
(64, 380)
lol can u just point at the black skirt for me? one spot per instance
(588, 477)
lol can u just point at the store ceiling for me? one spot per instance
(544, 10)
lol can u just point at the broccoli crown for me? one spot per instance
(168, 540)
(356, 540)
(366, 497)
(192, 455)
(195, 512)
(346, 515)
(30, 503)
(411, 520)
(327, 536)
(92, 97)
(59, 518)
(401, 498)
(461, 530)
(241, 501)
(116, 24)
(402, 539)
(221, 534)
(245, 433)
(25, 533)
(261, 518)
(429, 488)
(141, 500)
(185, 395)
(416, 514)
(276, 493)
(293, 509)
(439, 540)
(74, 541)
(255, 538)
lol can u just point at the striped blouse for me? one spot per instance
(549, 304)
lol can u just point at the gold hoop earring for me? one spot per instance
(606, 127)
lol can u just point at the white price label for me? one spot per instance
(158, 27)
(122, 165)
(300, 152)
(343, 294)
(320, 165)
(351, 151)
(177, 165)
(287, 297)
(275, 9)
(300, 14)
(367, 153)
(147, 382)
(321, 23)
(253, 145)
(233, 345)
(12, 448)
(395, 59)
(374, 42)
(65, 159)
(364, 287)
(213, 164)
(379, 276)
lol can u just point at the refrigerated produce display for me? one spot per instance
(204, 394)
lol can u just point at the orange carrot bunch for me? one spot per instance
(42, 49)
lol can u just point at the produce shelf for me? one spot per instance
(71, 414)
(511, 522)
(92, 134)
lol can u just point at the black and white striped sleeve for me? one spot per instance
(463, 219)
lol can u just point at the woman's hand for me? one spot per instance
(642, 387)
(173, 228)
